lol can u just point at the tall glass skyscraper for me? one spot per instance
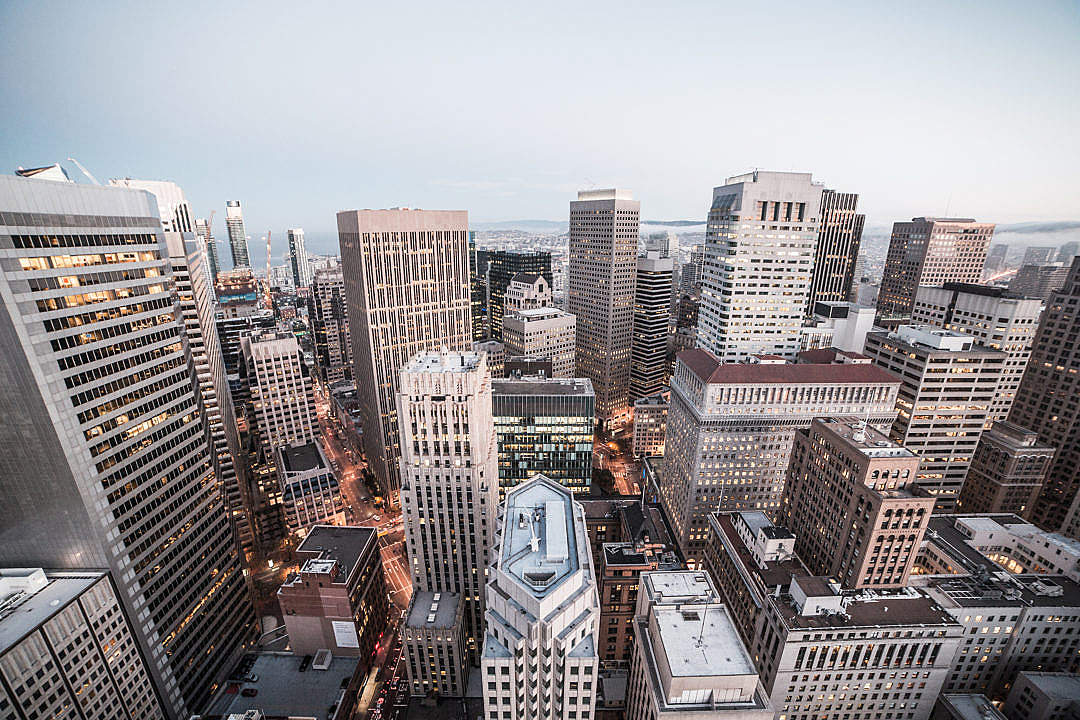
(502, 266)
(108, 460)
(234, 222)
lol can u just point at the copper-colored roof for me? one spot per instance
(710, 370)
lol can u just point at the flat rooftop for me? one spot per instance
(542, 313)
(865, 438)
(24, 615)
(774, 574)
(679, 586)
(347, 544)
(444, 362)
(701, 640)
(440, 607)
(1058, 685)
(301, 458)
(539, 545)
(872, 608)
(284, 691)
(710, 370)
(547, 386)
(970, 707)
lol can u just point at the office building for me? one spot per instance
(545, 427)
(1039, 281)
(96, 477)
(996, 318)
(825, 652)
(652, 312)
(502, 267)
(539, 653)
(309, 488)
(1012, 621)
(1046, 402)
(67, 649)
(204, 231)
(1067, 252)
(965, 706)
(478, 290)
(759, 258)
(666, 243)
(238, 293)
(280, 387)
(433, 636)
(1007, 471)
(848, 501)
(929, 251)
(329, 320)
(545, 332)
(172, 205)
(650, 424)
(1038, 255)
(527, 291)
(298, 258)
(688, 659)
(337, 599)
(948, 386)
(731, 426)
(449, 478)
(600, 292)
(407, 291)
(496, 356)
(840, 230)
(690, 273)
(996, 262)
(840, 325)
(1044, 696)
(234, 223)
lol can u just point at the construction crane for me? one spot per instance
(85, 172)
(269, 300)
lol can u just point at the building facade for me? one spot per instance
(310, 494)
(650, 424)
(109, 457)
(731, 426)
(840, 230)
(600, 293)
(1039, 281)
(280, 389)
(998, 319)
(298, 259)
(234, 223)
(652, 313)
(329, 320)
(1007, 471)
(542, 332)
(502, 267)
(759, 258)
(929, 251)
(527, 291)
(449, 478)
(407, 291)
(948, 386)
(435, 647)
(539, 654)
(544, 427)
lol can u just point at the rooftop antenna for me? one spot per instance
(860, 434)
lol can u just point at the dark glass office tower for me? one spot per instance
(503, 265)
(107, 457)
(840, 230)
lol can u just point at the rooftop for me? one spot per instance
(346, 544)
(865, 438)
(433, 609)
(970, 707)
(756, 521)
(831, 355)
(679, 586)
(985, 290)
(870, 608)
(279, 679)
(1058, 685)
(701, 640)
(539, 543)
(775, 574)
(29, 597)
(605, 194)
(710, 370)
(541, 313)
(547, 386)
(657, 400)
(446, 361)
(300, 458)
(525, 277)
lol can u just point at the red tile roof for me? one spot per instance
(710, 370)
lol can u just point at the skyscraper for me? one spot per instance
(1039, 281)
(407, 291)
(544, 426)
(330, 326)
(848, 500)
(730, 428)
(107, 452)
(652, 311)
(280, 388)
(545, 332)
(690, 273)
(929, 251)
(1047, 401)
(948, 385)
(449, 478)
(996, 318)
(203, 230)
(543, 616)
(600, 292)
(1007, 471)
(839, 237)
(1038, 255)
(234, 222)
(478, 289)
(759, 257)
(502, 266)
(298, 259)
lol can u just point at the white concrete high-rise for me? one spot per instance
(298, 258)
(107, 452)
(543, 614)
(172, 205)
(234, 222)
(449, 478)
(407, 291)
(652, 311)
(600, 279)
(759, 257)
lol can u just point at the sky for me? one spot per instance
(505, 109)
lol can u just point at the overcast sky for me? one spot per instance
(506, 108)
